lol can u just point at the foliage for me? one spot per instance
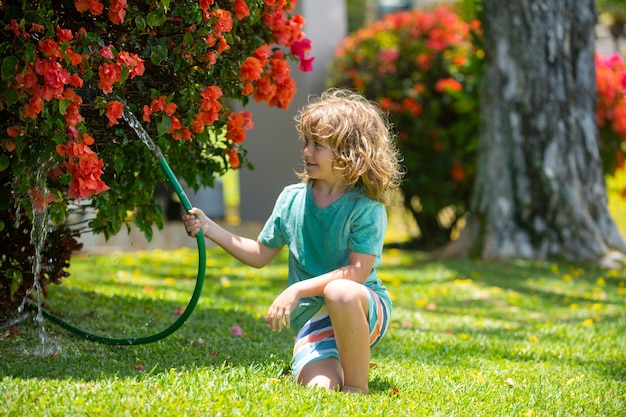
(69, 67)
(70, 70)
(424, 67)
(611, 113)
(421, 66)
(466, 338)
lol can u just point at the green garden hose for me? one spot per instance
(196, 293)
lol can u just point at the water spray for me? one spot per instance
(132, 121)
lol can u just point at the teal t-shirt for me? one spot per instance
(320, 239)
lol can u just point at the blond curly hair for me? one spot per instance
(361, 137)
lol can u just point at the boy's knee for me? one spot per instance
(343, 291)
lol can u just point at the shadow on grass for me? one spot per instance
(204, 340)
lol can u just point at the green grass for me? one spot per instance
(467, 339)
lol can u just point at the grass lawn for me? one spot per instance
(467, 339)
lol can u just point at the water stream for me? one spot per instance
(38, 235)
(139, 130)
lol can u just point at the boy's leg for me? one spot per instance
(324, 373)
(348, 303)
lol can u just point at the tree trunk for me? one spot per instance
(540, 189)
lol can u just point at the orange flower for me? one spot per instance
(75, 58)
(280, 67)
(9, 145)
(409, 104)
(114, 112)
(132, 62)
(117, 11)
(170, 108)
(233, 158)
(262, 53)
(49, 48)
(85, 168)
(94, 6)
(147, 112)
(81, 5)
(33, 107)
(15, 131)
(109, 75)
(447, 84)
(88, 139)
(458, 173)
(158, 104)
(247, 89)
(251, 69)
(72, 115)
(241, 9)
(40, 199)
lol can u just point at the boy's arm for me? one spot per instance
(249, 251)
(358, 269)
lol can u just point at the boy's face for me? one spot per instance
(318, 158)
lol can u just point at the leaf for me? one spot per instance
(12, 96)
(158, 54)
(155, 18)
(4, 162)
(164, 125)
(9, 67)
(140, 22)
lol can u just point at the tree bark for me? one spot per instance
(540, 189)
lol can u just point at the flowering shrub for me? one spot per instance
(421, 67)
(611, 112)
(68, 68)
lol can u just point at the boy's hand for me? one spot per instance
(193, 221)
(281, 308)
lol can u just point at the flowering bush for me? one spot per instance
(68, 68)
(611, 112)
(421, 66)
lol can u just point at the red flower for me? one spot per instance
(15, 131)
(241, 9)
(85, 168)
(262, 53)
(237, 123)
(132, 62)
(157, 104)
(233, 158)
(94, 6)
(117, 11)
(49, 48)
(300, 49)
(40, 199)
(458, 173)
(81, 5)
(114, 112)
(109, 75)
(306, 65)
(64, 35)
(251, 69)
(75, 58)
(448, 84)
(33, 107)
(247, 89)
(280, 67)
(170, 108)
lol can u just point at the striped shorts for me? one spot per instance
(316, 339)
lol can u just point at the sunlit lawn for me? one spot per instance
(617, 201)
(467, 339)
